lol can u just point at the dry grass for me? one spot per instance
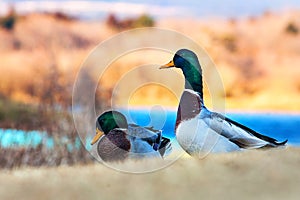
(250, 175)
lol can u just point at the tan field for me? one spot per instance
(258, 175)
(257, 58)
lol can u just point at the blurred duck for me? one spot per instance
(117, 140)
(199, 130)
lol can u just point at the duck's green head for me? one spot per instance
(107, 122)
(188, 62)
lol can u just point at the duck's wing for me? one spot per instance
(239, 134)
(149, 128)
(147, 133)
(152, 137)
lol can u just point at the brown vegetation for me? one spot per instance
(8, 22)
(292, 28)
(141, 21)
(256, 58)
(12, 158)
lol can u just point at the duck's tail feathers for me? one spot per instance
(274, 144)
(281, 143)
(165, 147)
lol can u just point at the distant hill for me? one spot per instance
(258, 58)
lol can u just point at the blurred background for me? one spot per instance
(255, 46)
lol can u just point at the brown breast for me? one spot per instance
(114, 146)
(189, 107)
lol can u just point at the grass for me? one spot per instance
(257, 175)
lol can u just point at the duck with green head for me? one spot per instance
(199, 130)
(116, 140)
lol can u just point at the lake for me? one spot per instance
(280, 126)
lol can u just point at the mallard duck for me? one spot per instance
(199, 130)
(117, 140)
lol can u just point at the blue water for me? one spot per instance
(20, 138)
(279, 126)
(167, 8)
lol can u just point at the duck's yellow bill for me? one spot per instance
(97, 136)
(168, 65)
